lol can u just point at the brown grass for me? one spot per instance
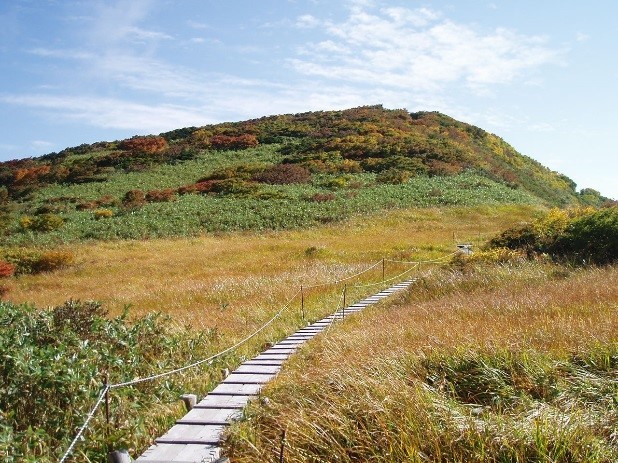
(380, 386)
(213, 280)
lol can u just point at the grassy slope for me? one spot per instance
(236, 270)
(230, 284)
(352, 155)
(498, 364)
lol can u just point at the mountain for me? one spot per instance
(267, 173)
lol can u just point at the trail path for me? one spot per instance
(196, 437)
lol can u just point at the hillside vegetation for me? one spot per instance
(504, 355)
(217, 289)
(276, 172)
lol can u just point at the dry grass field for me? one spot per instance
(225, 280)
(497, 363)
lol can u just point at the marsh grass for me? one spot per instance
(501, 363)
(224, 287)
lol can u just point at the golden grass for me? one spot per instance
(214, 280)
(374, 389)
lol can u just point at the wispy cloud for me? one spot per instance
(112, 113)
(419, 49)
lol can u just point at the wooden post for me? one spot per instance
(383, 268)
(190, 400)
(302, 302)
(282, 447)
(345, 290)
(105, 384)
(119, 456)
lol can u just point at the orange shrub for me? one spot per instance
(147, 145)
(53, 260)
(6, 269)
(160, 196)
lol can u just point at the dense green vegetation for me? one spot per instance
(269, 173)
(54, 363)
(578, 236)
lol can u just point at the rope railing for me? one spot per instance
(430, 261)
(108, 387)
(417, 265)
(339, 280)
(85, 425)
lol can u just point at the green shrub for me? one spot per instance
(592, 237)
(41, 223)
(393, 176)
(103, 214)
(53, 365)
(578, 235)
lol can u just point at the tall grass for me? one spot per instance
(499, 363)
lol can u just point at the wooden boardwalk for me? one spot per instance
(195, 438)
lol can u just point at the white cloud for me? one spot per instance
(42, 145)
(112, 113)
(62, 53)
(419, 49)
(581, 37)
(307, 21)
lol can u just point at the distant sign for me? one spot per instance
(465, 248)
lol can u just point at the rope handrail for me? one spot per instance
(109, 387)
(429, 261)
(339, 280)
(86, 422)
(414, 267)
(212, 357)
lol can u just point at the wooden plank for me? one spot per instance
(258, 369)
(180, 453)
(204, 416)
(282, 356)
(277, 362)
(247, 378)
(240, 389)
(189, 434)
(279, 350)
(196, 436)
(224, 401)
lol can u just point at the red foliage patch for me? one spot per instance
(148, 144)
(160, 196)
(226, 142)
(6, 269)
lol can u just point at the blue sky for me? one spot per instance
(540, 74)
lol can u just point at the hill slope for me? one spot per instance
(269, 173)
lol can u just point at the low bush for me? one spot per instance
(160, 196)
(283, 174)
(6, 269)
(134, 199)
(30, 261)
(322, 197)
(103, 214)
(393, 176)
(579, 235)
(42, 223)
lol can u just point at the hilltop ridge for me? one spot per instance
(320, 166)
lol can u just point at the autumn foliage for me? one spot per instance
(146, 145)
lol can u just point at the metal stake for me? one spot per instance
(302, 302)
(282, 447)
